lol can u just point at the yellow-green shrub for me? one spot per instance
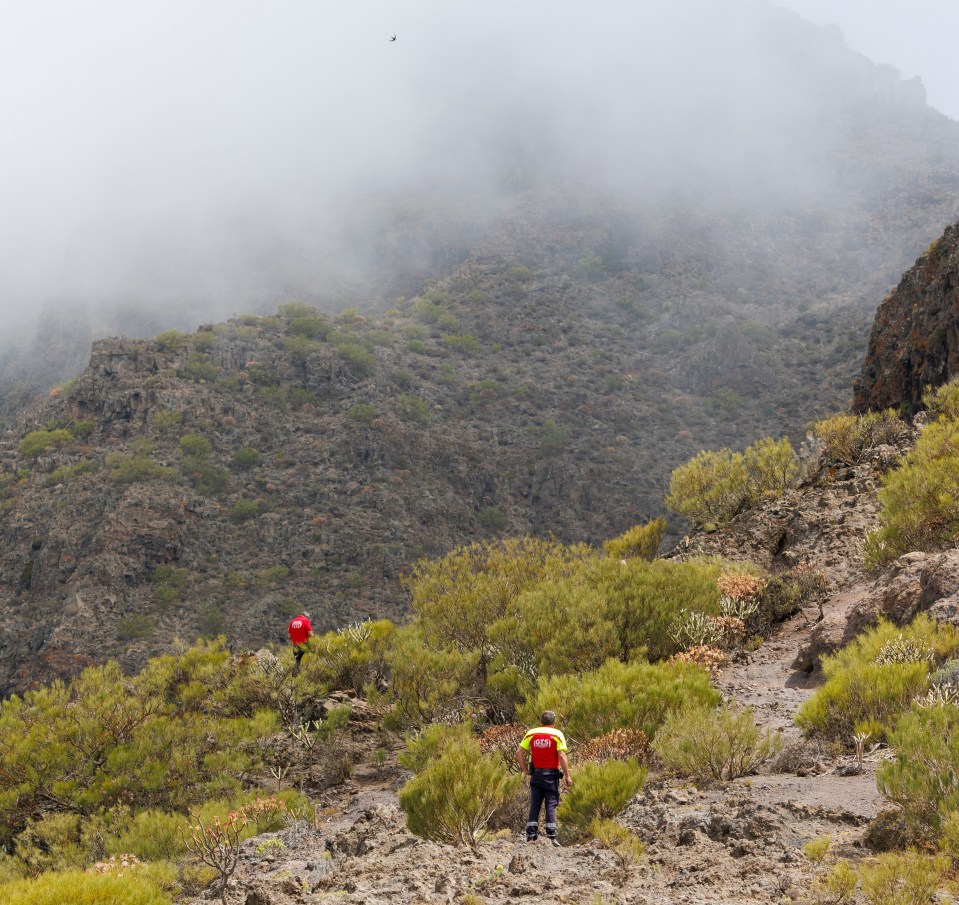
(715, 485)
(923, 777)
(919, 500)
(84, 889)
(351, 657)
(453, 797)
(943, 400)
(704, 743)
(846, 437)
(600, 791)
(165, 739)
(426, 683)
(620, 696)
(641, 540)
(902, 878)
(859, 690)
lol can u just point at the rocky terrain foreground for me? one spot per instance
(737, 842)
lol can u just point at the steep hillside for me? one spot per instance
(914, 343)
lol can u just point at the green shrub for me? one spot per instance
(134, 627)
(620, 696)
(271, 577)
(642, 541)
(622, 842)
(54, 842)
(179, 733)
(207, 479)
(815, 849)
(243, 510)
(362, 412)
(296, 309)
(66, 473)
(358, 360)
(203, 340)
(600, 792)
(167, 419)
(171, 340)
(36, 443)
(860, 690)
(838, 886)
(131, 468)
(413, 408)
(919, 500)
(943, 401)
(424, 747)
(846, 438)
(199, 367)
(246, 458)
(452, 799)
(493, 518)
(83, 427)
(464, 344)
(903, 878)
(195, 445)
(706, 744)
(923, 777)
(426, 682)
(716, 485)
(310, 327)
(352, 657)
(85, 889)
(151, 835)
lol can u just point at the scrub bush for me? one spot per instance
(923, 777)
(622, 842)
(600, 792)
(902, 878)
(85, 889)
(862, 692)
(452, 799)
(846, 438)
(919, 500)
(706, 744)
(36, 443)
(620, 696)
(716, 485)
(642, 541)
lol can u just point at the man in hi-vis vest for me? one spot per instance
(546, 747)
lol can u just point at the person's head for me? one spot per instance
(305, 613)
(548, 718)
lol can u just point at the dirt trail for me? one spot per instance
(769, 683)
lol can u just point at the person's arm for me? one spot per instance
(564, 763)
(521, 760)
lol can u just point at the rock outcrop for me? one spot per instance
(914, 342)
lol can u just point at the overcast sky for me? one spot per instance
(203, 152)
(918, 37)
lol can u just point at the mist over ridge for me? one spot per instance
(194, 161)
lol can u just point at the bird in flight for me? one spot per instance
(393, 38)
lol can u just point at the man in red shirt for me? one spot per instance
(546, 746)
(300, 631)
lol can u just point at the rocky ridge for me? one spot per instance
(914, 343)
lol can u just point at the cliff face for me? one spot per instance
(914, 342)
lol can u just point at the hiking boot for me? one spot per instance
(528, 840)
(554, 841)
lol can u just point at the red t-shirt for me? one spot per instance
(544, 744)
(299, 629)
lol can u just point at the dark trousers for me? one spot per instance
(298, 651)
(543, 788)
